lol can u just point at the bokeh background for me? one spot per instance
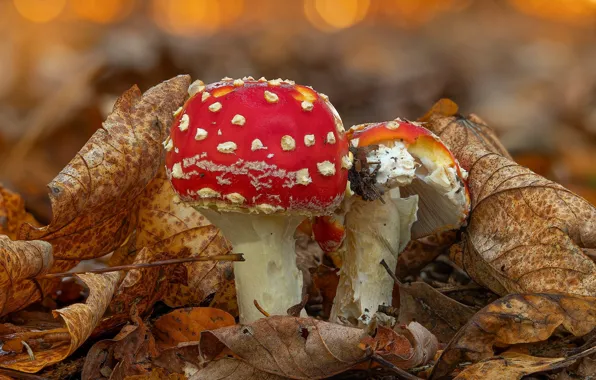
(528, 67)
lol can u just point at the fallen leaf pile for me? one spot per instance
(528, 240)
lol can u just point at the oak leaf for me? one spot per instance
(525, 234)
(513, 319)
(93, 197)
(32, 350)
(20, 263)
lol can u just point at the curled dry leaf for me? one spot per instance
(128, 353)
(300, 348)
(53, 345)
(13, 214)
(424, 344)
(405, 347)
(513, 366)
(93, 197)
(526, 234)
(20, 263)
(514, 319)
(137, 350)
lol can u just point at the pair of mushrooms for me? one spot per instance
(257, 157)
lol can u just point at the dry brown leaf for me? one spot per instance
(20, 263)
(233, 369)
(513, 366)
(516, 319)
(157, 374)
(141, 288)
(325, 280)
(404, 346)
(162, 216)
(135, 351)
(128, 353)
(186, 325)
(93, 197)
(13, 214)
(225, 297)
(526, 234)
(53, 345)
(418, 253)
(301, 348)
(424, 345)
(442, 315)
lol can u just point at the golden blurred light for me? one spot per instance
(413, 13)
(39, 10)
(102, 11)
(575, 12)
(331, 15)
(190, 17)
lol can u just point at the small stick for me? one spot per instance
(393, 276)
(228, 257)
(259, 308)
(398, 371)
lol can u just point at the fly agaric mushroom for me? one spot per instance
(392, 159)
(258, 157)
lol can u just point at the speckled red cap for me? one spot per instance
(258, 146)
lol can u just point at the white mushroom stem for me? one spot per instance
(269, 275)
(374, 232)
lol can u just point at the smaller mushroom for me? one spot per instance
(408, 185)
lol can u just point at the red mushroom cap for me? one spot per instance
(258, 146)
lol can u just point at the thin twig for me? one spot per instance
(259, 308)
(398, 371)
(393, 276)
(228, 257)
